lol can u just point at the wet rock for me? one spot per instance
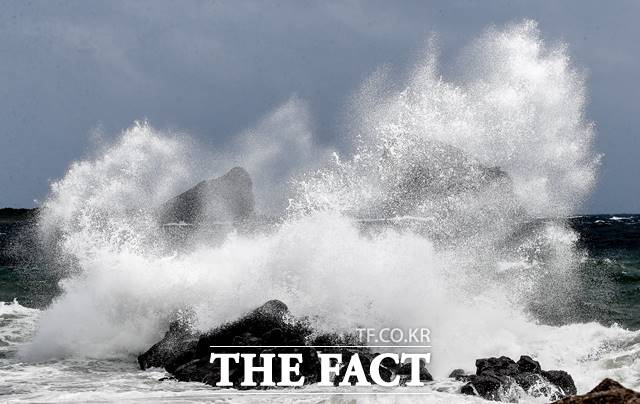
(246, 339)
(227, 198)
(404, 371)
(386, 374)
(499, 366)
(608, 391)
(537, 385)
(366, 357)
(267, 329)
(561, 379)
(180, 345)
(262, 321)
(175, 348)
(486, 386)
(273, 336)
(526, 364)
(527, 380)
(187, 355)
(496, 377)
(458, 374)
(310, 366)
(389, 363)
(198, 370)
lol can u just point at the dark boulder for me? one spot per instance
(389, 363)
(561, 379)
(528, 380)
(458, 374)
(486, 386)
(496, 378)
(186, 355)
(404, 371)
(388, 369)
(365, 360)
(500, 366)
(608, 391)
(225, 199)
(537, 385)
(268, 321)
(268, 329)
(526, 364)
(175, 348)
(198, 370)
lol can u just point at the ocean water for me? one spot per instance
(601, 339)
(453, 209)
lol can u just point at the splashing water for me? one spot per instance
(454, 171)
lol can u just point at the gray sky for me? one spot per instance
(214, 68)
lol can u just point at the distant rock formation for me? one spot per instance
(445, 172)
(608, 391)
(445, 193)
(225, 199)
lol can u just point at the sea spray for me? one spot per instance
(504, 143)
(278, 148)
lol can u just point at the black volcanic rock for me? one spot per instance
(268, 329)
(496, 376)
(486, 386)
(225, 199)
(458, 374)
(174, 349)
(264, 322)
(186, 354)
(404, 370)
(607, 392)
(500, 366)
(561, 379)
(526, 364)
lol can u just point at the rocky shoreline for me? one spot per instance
(185, 354)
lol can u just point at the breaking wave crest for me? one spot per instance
(430, 221)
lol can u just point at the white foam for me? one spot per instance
(17, 325)
(620, 218)
(519, 107)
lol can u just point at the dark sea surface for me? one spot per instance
(23, 277)
(610, 271)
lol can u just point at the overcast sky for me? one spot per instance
(214, 68)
